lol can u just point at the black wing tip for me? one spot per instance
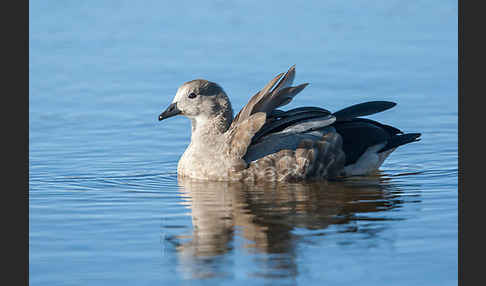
(383, 102)
(363, 109)
(390, 103)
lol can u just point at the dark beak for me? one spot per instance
(172, 110)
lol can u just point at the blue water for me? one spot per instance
(105, 204)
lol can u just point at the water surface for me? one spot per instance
(105, 204)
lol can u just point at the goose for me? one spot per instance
(265, 143)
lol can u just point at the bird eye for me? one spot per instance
(192, 95)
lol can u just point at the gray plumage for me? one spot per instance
(263, 143)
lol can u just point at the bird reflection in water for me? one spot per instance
(263, 218)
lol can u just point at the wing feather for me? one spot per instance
(363, 109)
(277, 92)
(241, 136)
(268, 99)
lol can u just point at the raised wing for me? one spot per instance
(269, 98)
(278, 92)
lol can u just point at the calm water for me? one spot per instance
(105, 204)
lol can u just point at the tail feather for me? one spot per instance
(400, 139)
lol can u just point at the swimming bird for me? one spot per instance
(265, 143)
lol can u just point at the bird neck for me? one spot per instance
(205, 130)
